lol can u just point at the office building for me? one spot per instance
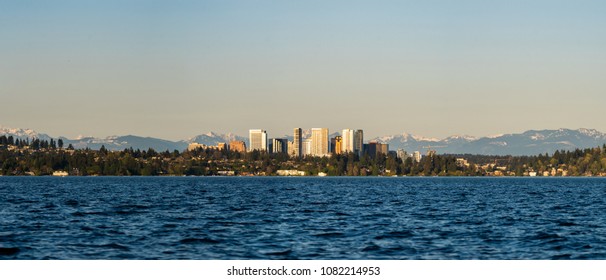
(279, 145)
(347, 146)
(237, 146)
(298, 142)
(257, 140)
(306, 147)
(319, 142)
(358, 140)
(336, 145)
(353, 141)
(375, 148)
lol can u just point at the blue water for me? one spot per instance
(302, 218)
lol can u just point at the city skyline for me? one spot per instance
(173, 70)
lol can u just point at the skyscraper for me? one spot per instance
(319, 141)
(352, 141)
(336, 145)
(257, 140)
(358, 140)
(347, 145)
(280, 145)
(306, 147)
(298, 142)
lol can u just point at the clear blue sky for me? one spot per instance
(175, 69)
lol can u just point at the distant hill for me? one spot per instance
(124, 142)
(531, 142)
(19, 133)
(212, 138)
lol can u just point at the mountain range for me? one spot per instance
(531, 142)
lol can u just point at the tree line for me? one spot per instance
(43, 157)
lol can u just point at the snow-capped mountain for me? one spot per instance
(212, 138)
(124, 142)
(20, 133)
(531, 142)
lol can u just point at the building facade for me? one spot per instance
(279, 145)
(358, 140)
(297, 143)
(319, 142)
(347, 135)
(336, 145)
(237, 146)
(195, 146)
(353, 141)
(402, 154)
(306, 147)
(257, 140)
(375, 148)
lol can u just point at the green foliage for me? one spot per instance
(42, 157)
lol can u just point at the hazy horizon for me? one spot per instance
(270, 135)
(175, 69)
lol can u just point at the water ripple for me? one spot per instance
(302, 218)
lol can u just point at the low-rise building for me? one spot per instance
(237, 146)
(402, 154)
(195, 146)
(60, 173)
(290, 173)
(416, 156)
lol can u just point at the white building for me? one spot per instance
(416, 156)
(257, 140)
(306, 147)
(402, 154)
(319, 142)
(352, 141)
(290, 173)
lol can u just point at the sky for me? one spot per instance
(176, 69)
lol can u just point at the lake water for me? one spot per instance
(302, 218)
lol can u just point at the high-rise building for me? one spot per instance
(358, 140)
(319, 142)
(336, 145)
(237, 146)
(353, 141)
(279, 145)
(257, 140)
(374, 148)
(306, 147)
(298, 142)
(347, 145)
